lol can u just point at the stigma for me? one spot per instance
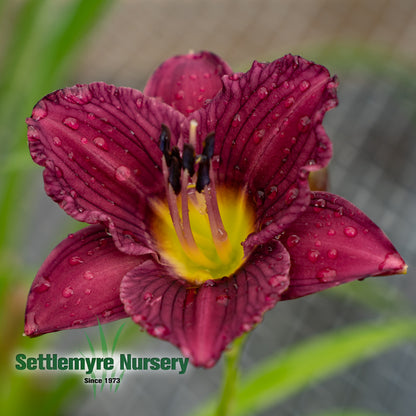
(200, 225)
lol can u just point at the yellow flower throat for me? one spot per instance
(199, 232)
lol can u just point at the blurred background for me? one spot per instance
(369, 44)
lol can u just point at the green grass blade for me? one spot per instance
(285, 374)
(117, 336)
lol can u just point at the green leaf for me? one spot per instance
(285, 374)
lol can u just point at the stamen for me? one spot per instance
(164, 143)
(175, 168)
(188, 156)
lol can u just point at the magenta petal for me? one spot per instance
(333, 242)
(203, 320)
(78, 283)
(269, 134)
(99, 147)
(185, 82)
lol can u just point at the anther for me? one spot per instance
(164, 143)
(203, 173)
(188, 156)
(209, 143)
(175, 168)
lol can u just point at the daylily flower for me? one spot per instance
(197, 192)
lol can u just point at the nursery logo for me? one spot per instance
(104, 367)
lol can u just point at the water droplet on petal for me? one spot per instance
(74, 260)
(332, 253)
(57, 141)
(331, 232)
(33, 134)
(223, 299)
(84, 140)
(180, 95)
(258, 135)
(88, 275)
(71, 122)
(67, 292)
(293, 240)
(326, 275)
(236, 120)
(350, 231)
(40, 111)
(313, 255)
(107, 313)
(304, 85)
(289, 102)
(291, 195)
(277, 280)
(101, 143)
(262, 92)
(43, 286)
(123, 173)
(77, 322)
(147, 297)
(87, 291)
(160, 331)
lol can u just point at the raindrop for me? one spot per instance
(88, 275)
(84, 140)
(180, 95)
(101, 143)
(87, 291)
(258, 135)
(277, 280)
(77, 322)
(262, 92)
(43, 286)
(304, 124)
(313, 255)
(331, 232)
(350, 231)
(293, 240)
(236, 120)
(40, 111)
(67, 292)
(160, 331)
(57, 141)
(123, 173)
(304, 85)
(223, 299)
(74, 260)
(272, 192)
(71, 122)
(291, 195)
(289, 102)
(332, 253)
(326, 275)
(107, 313)
(147, 297)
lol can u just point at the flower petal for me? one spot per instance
(99, 147)
(203, 320)
(185, 82)
(78, 283)
(269, 134)
(333, 242)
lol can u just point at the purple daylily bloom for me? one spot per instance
(197, 192)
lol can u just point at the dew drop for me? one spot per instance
(71, 122)
(286, 84)
(101, 143)
(43, 286)
(313, 255)
(272, 193)
(180, 95)
(222, 300)
(107, 313)
(304, 85)
(331, 232)
(289, 102)
(350, 231)
(87, 291)
(40, 111)
(326, 275)
(67, 292)
(57, 141)
(392, 262)
(123, 173)
(88, 275)
(84, 140)
(332, 253)
(148, 297)
(277, 280)
(74, 260)
(236, 120)
(293, 240)
(304, 124)
(139, 103)
(258, 135)
(291, 195)
(32, 134)
(262, 92)
(160, 331)
(77, 322)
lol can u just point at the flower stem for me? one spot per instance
(231, 373)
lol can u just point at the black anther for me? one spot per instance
(175, 168)
(209, 143)
(164, 143)
(203, 173)
(188, 156)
